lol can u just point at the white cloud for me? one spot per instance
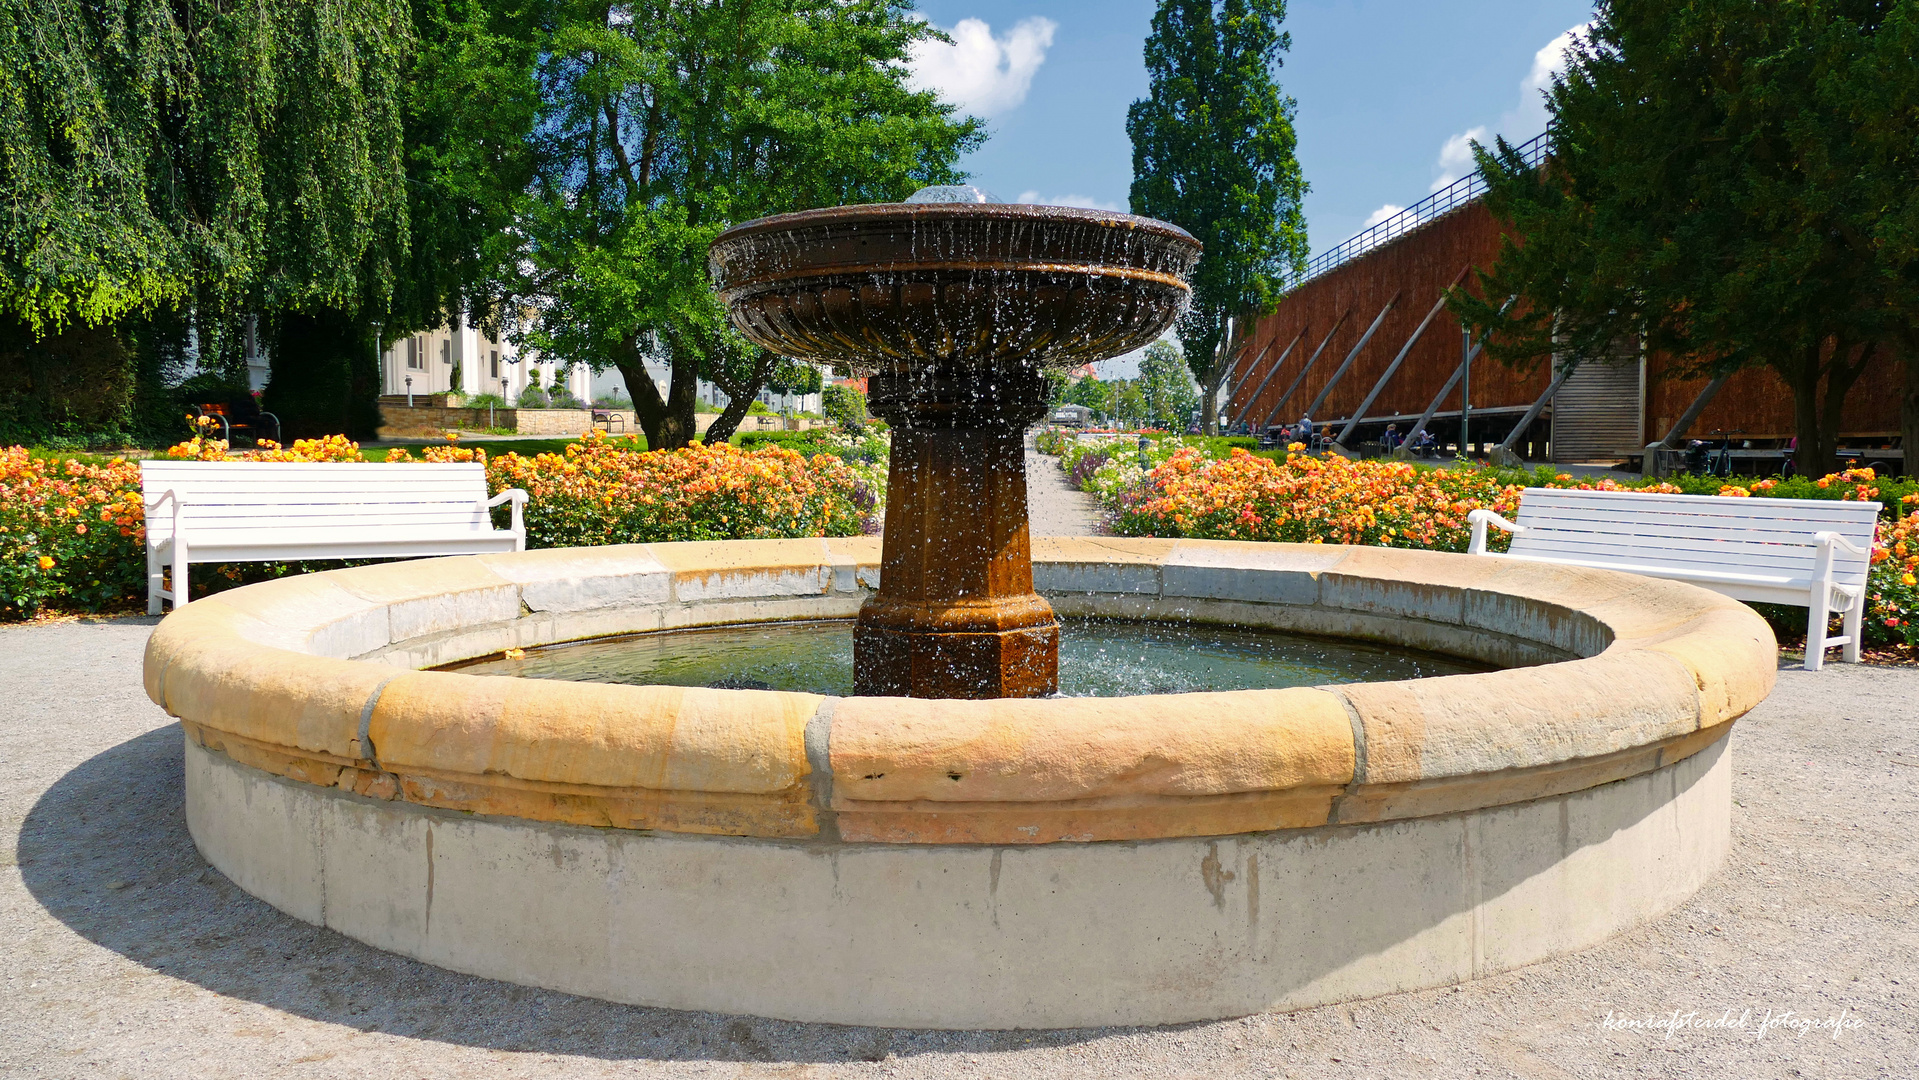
(1520, 123)
(1087, 201)
(1380, 215)
(984, 75)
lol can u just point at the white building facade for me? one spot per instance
(427, 363)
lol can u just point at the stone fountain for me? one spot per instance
(954, 311)
(950, 848)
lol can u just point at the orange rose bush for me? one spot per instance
(72, 535)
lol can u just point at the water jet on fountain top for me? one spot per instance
(953, 306)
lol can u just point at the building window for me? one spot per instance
(413, 350)
(446, 352)
(496, 364)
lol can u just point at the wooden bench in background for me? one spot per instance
(1810, 553)
(222, 512)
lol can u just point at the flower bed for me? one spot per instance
(1179, 491)
(72, 534)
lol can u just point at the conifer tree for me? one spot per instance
(1214, 153)
(1732, 182)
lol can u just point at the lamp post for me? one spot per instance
(409, 391)
(1465, 392)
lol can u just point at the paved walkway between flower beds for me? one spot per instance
(1055, 507)
(126, 955)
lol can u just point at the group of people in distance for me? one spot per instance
(1423, 444)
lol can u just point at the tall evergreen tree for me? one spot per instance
(1733, 182)
(664, 121)
(1213, 152)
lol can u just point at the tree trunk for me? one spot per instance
(724, 425)
(1909, 413)
(668, 422)
(1809, 460)
(1208, 399)
(739, 399)
(1818, 416)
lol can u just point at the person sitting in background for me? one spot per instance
(1425, 445)
(1391, 439)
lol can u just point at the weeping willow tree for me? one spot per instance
(161, 158)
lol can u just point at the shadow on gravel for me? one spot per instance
(106, 851)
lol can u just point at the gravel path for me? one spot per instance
(126, 955)
(1053, 507)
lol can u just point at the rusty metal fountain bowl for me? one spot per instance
(954, 310)
(889, 287)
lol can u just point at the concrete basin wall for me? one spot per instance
(964, 864)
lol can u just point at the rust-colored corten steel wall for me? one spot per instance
(1416, 267)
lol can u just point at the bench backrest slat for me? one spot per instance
(1768, 537)
(238, 502)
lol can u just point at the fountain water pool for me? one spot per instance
(1097, 658)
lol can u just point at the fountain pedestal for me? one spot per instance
(956, 615)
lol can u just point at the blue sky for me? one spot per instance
(1385, 88)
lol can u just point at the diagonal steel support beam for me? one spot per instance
(1345, 365)
(1692, 412)
(1650, 463)
(1393, 368)
(1538, 407)
(1310, 361)
(1458, 373)
(1261, 388)
(1232, 391)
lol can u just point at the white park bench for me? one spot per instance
(223, 512)
(1810, 553)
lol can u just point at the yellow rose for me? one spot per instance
(46, 562)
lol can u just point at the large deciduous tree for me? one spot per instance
(1213, 152)
(664, 121)
(172, 165)
(1733, 181)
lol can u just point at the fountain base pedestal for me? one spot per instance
(956, 615)
(991, 664)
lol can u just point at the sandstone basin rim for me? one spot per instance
(1605, 676)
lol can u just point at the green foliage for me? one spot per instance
(1213, 152)
(1166, 387)
(656, 131)
(161, 153)
(846, 407)
(533, 397)
(794, 377)
(1091, 393)
(1730, 182)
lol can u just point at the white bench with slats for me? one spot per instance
(236, 511)
(1811, 553)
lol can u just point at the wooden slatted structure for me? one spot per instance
(221, 511)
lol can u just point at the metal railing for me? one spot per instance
(1453, 196)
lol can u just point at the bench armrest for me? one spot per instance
(168, 495)
(519, 500)
(1833, 539)
(1479, 519)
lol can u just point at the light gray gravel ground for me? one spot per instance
(122, 954)
(1054, 508)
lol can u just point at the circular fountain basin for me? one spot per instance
(965, 864)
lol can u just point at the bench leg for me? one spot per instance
(155, 582)
(1817, 617)
(1855, 619)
